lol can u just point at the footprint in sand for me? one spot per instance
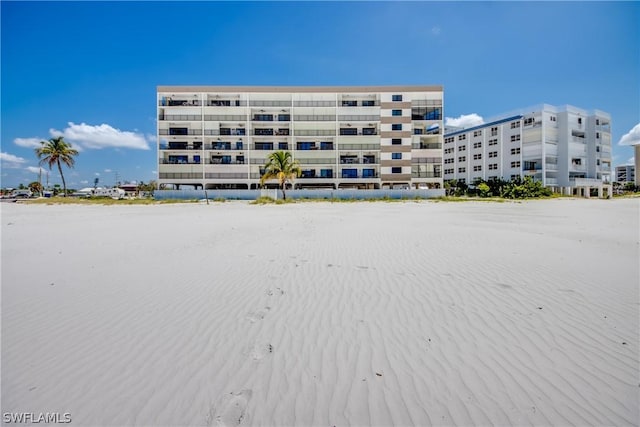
(276, 292)
(231, 410)
(259, 351)
(254, 316)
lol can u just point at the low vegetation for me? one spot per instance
(518, 188)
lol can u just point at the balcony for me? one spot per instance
(225, 175)
(226, 103)
(427, 146)
(354, 160)
(169, 102)
(353, 173)
(185, 161)
(179, 131)
(225, 146)
(181, 146)
(231, 131)
(313, 174)
(355, 131)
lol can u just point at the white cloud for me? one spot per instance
(97, 173)
(436, 31)
(28, 142)
(84, 181)
(632, 137)
(108, 171)
(36, 169)
(11, 161)
(464, 121)
(631, 160)
(101, 136)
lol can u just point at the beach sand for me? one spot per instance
(412, 313)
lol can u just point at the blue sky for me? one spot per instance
(89, 70)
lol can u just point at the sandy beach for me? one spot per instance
(321, 314)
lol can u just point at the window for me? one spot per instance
(396, 141)
(597, 135)
(448, 150)
(515, 151)
(396, 98)
(493, 141)
(417, 131)
(579, 120)
(515, 138)
(448, 161)
(597, 122)
(462, 148)
(264, 145)
(514, 177)
(477, 168)
(462, 170)
(515, 164)
(494, 131)
(529, 121)
(477, 145)
(396, 126)
(597, 162)
(493, 154)
(396, 170)
(597, 148)
(448, 140)
(552, 118)
(326, 173)
(349, 173)
(477, 157)
(448, 171)
(462, 137)
(283, 146)
(346, 103)
(368, 103)
(396, 112)
(462, 158)
(477, 133)
(493, 166)
(368, 173)
(306, 145)
(396, 156)
(515, 125)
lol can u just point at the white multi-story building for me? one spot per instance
(566, 148)
(218, 137)
(626, 173)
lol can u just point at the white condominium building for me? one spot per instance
(219, 137)
(563, 147)
(626, 173)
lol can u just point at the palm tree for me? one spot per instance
(281, 166)
(54, 151)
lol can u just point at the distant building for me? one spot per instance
(566, 148)
(626, 173)
(219, 137)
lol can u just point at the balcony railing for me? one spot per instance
(180, 175)
(435, 160)
(315, 132)
(358, 147)
(314, 118)
(314, 104)
(180, 147)
(260, 103)
(180, 117)
(225, 175)
(426, 175)
(326, 161)
(225, 117)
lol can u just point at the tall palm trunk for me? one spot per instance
(284, 195)
(64, 184)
